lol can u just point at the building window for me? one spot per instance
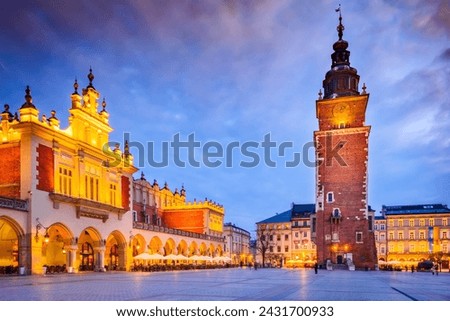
(286, 248)
(391, 248)
(382, 227)
(421, 222)
(376, 237)
(412, 248)
(278, 248)
(391, 235)
(278, 238)
(444, 221)
(411, 235)
(382, 236)
(431, 222)
(444, 234)
(330, 197)
(65, 181)
(296, 234)
(336, 212)
(376, 226)
(134, 216)
(382, 250)
(359, 237)
(400, 235)
(112, 194)
(271, 249)
(271, 238)
(411, 223)
(422, 247)
(422, 235)
(286, 237)
(400, 223)
(444, 248)
(91, 187)
(400, 248)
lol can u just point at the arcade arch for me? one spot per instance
(156, 245)
(11, 239)
(115, 251)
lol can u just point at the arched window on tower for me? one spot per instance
(330, 197)
(336, 213)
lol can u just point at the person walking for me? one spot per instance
(316, 268)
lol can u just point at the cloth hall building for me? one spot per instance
(69, 200)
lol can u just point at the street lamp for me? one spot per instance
(38, 227)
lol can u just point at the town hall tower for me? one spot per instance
(342, 227)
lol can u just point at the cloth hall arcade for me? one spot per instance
(68, 199)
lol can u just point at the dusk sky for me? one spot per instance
(232, 72)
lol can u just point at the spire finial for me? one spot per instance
(340, 27)
(28, 98)
(104, 104)
(90, 77)
(75, 86)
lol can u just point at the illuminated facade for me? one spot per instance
(168, 224)
(416, 233)
(285, 238)
(237, 244)
(342, 227)
(380, 238)
(66, 195)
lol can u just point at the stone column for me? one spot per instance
(72, 258)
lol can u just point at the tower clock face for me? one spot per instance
(341, 109)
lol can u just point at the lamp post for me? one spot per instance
(39, 226)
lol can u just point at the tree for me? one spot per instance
(264, 237)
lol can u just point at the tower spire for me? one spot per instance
(341, 79)
(340, 28)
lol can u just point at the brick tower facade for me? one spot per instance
(343, 224)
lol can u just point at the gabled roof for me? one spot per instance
(415, 209)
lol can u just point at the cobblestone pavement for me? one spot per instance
(229, 285)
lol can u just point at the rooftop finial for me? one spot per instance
(340, 27)
(75, 86)
(28, 99)
(91, 78)
(104, 104)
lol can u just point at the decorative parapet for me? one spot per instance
(15, 204)
(172, 231)
(197, 205)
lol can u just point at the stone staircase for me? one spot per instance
(343, 266)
